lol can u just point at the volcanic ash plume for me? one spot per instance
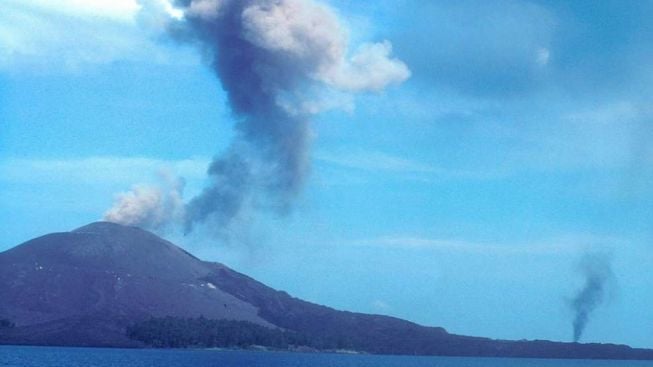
(149, 206)
(275, 59)
(278, 61)
(597, 271)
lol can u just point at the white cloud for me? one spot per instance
(598, 136)
(374, 161)
(614, 113)
(568, 244)
(123, 10)
(69, 34)
(93, 170)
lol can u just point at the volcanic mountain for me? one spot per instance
(88, 286)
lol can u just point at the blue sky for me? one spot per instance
(460, 198)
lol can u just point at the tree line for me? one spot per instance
(177, 332)
(6, 324)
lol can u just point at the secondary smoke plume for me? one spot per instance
(274, 58)
(597, 272)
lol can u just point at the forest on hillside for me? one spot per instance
(175, 332)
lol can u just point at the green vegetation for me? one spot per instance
(6, 324)
(172, 332)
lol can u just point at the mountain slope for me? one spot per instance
(102, 277)
(86, 287)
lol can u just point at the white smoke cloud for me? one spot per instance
(312, 35)
(370, 69)
(153, 207)
(204, 8)
(304, 29)
(71, 35)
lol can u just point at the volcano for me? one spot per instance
(88, 286)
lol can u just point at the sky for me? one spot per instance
(464, 194)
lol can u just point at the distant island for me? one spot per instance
(109, 285)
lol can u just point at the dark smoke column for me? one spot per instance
(597, 271)
(275, 59)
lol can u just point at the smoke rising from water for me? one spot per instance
(276, 60)
(597, 272)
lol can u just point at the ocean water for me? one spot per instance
(11, 356)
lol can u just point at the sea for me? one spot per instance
(20, 356)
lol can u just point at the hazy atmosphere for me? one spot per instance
(483, 166)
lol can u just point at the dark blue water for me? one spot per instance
(96, 357)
